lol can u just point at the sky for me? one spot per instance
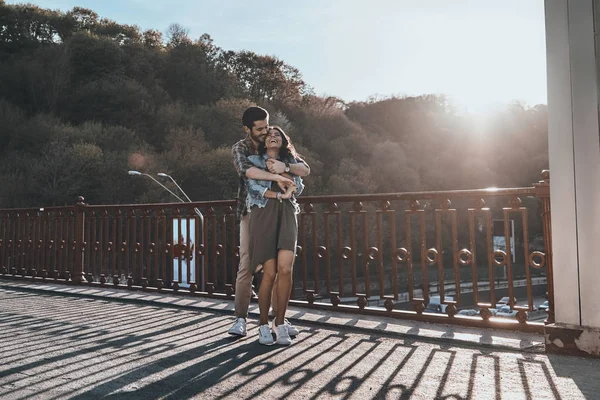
(480, 53)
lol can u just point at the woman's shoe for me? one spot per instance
(265, 336)
(292, 330)
(282, 334)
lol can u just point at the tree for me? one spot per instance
(222, 122)
(191, 73)
(177, 35)
(265, 78)
(85, 19)
(152, 39)
(94, 97)
(25, 27)
(94, 58)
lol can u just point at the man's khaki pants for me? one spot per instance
(243, 282)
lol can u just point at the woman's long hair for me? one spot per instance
(287, 150)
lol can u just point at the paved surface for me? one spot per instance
(496, 339)
(55, 347)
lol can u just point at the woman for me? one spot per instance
(273, 234)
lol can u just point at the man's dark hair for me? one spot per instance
(253, 114)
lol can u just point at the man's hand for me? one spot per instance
(284, 183)
(275, 166)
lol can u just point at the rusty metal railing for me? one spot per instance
(385, 254)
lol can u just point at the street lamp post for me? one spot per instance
(161, 185)
(200, 216)
(162, 174)
(196, 210)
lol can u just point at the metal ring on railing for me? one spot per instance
(357, 206)
(499, 257)
(346, 252)
(321, 251)
(445, 204)
(514, 202)
(414, 205)
(372, 253)
(479, 203)
(401, 254)
(541, 256)
(435, 253)
(463, 261)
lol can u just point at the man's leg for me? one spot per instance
(243, 282)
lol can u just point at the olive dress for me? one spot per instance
(272, 228)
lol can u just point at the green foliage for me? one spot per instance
(84, 99)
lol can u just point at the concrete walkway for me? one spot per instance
(61, 341)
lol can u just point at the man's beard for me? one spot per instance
(259, 138)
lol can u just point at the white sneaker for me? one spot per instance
(292, 330)
(282, 334)
(238, 328)
(265, 336)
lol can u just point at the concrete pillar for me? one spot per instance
(574, 146)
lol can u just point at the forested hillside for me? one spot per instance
(84, 99)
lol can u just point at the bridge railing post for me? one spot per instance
(543, 193)
(79, 242)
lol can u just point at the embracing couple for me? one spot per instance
(269, 171)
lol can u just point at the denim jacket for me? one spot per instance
(258, 188)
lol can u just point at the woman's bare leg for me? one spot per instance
(274, 297)
(266, 286)
(285, 264)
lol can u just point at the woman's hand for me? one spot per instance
(284, 183)
(291, 189)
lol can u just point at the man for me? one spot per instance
(255, 121)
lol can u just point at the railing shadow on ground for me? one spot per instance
(385, 325)
(97, 349)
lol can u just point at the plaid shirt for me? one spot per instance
(241, 150)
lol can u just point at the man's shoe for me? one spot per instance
(292, 330)
(238, 328)
(282, 334)
(265, 336)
